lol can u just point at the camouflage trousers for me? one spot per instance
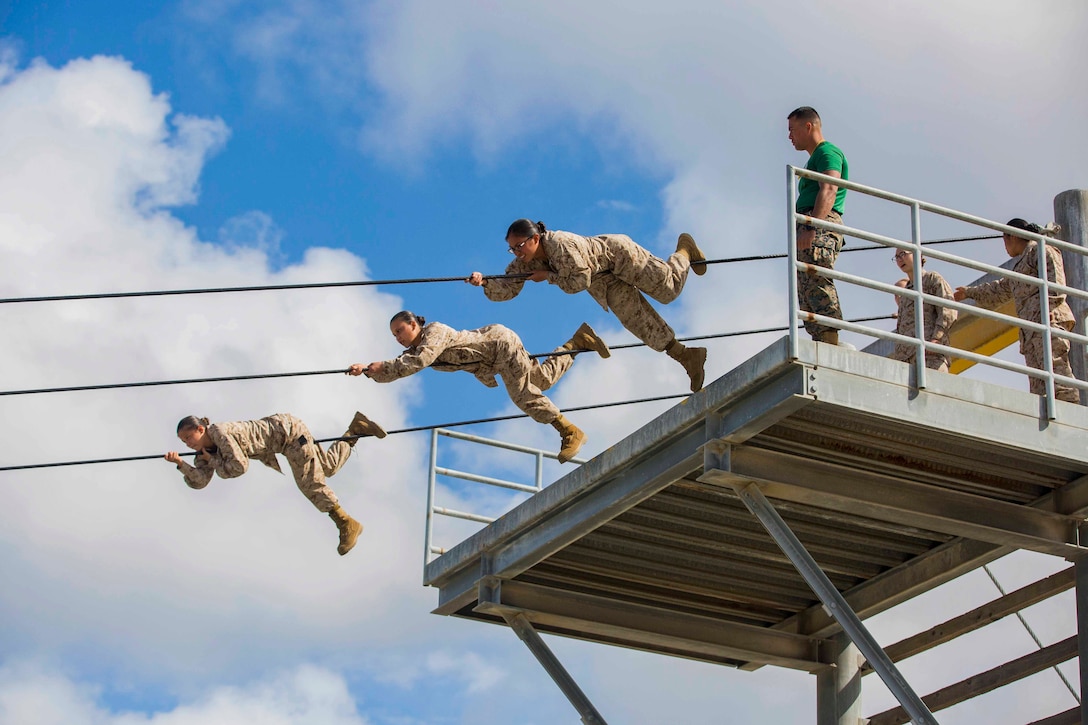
(526, 379)
(634, 272)
(310, 464)
(662, 279)
(1031, 345)
(817, 294)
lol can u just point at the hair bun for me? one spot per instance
(540, 227)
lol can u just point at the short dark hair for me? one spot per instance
(525, 228)
(804, 113)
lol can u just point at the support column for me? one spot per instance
(1071, 212)
(838, 688)
(1081, 569)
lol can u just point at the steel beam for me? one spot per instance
(997, 415)
(761, 408)
(834, 601)
(650, 628)
(888, 498)
(988, 681)
(979, 617)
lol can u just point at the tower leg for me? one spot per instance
(838, 688)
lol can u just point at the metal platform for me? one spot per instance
(893, 490)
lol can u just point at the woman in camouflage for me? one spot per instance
(1026, 298)
(937, 320)
(615, 271)
(487, 352)
(226, 448)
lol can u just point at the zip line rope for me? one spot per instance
(416, 429)
(379, 282)
(341, 371)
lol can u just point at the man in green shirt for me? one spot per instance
(822, 201)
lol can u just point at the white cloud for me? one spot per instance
(301, 696)
(123, 559)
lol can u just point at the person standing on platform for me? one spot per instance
(1026, 298)
(226, 448)
(615, 271)
(487, 352)
(937, 320)
(819, 200)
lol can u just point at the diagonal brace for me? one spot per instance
(833, 600)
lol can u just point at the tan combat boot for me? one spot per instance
(571, 437)
(362, 426)
(692, 358)
(349, 529)
(686, 245)
(586, 339)
(831, 337)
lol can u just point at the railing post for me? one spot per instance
(791, 254)
(919, 307)
(1044, 319)
(1071, 212)
(431, 476)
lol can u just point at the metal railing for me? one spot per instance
(435, 471)
(921, 299)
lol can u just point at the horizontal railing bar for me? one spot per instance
(462, 515)
(485, 479)
(502, 444)
(951, 351)
(944, 256)
(936, 209)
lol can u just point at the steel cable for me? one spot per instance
(379, 282)
(416, 429)
(341, 371)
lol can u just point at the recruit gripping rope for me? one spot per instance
(341, 371)
(159, 456)
(379, 282)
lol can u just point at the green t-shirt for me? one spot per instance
(825, 157)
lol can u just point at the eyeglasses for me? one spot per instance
(900, 254)
(517, 247)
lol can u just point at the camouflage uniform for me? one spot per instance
(1026, 298)
(614, 270)
(486, 352)
(937, 321)
(815, 293)
(236, 443)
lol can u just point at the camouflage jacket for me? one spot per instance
(235, 444)
(1024, 295)
(575, 264)
(480, 352)
(937, 319)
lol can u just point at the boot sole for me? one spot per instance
(698, 259)
(363, 426)
(591, 341)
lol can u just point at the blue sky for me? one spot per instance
(207, 143)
